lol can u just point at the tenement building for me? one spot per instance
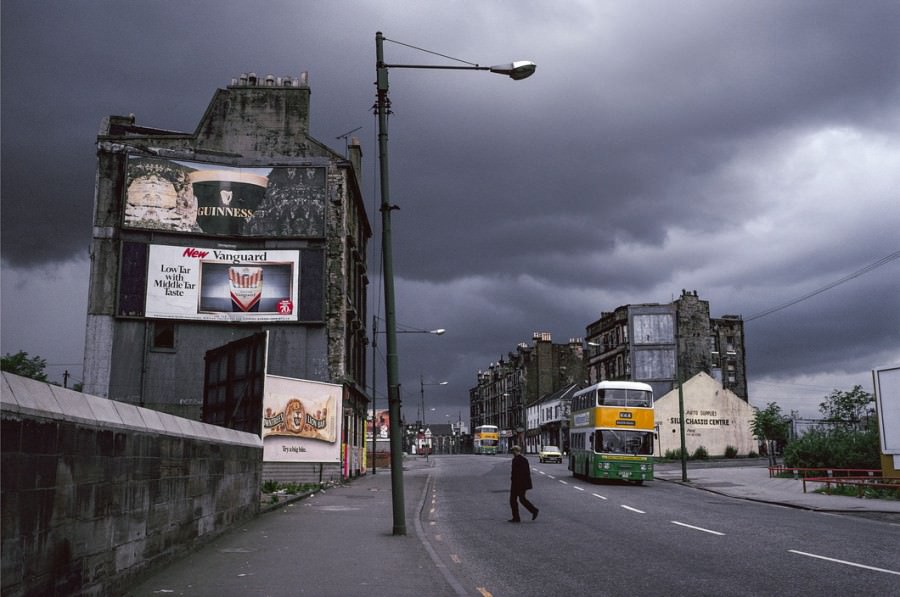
(228, 275)
(508, 387)
(661, 343)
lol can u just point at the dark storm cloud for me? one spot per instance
(744, 149)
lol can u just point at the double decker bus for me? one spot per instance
(611, 432)
(487, 438)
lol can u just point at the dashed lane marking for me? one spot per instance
(633, 509)
(690, 526)
(597, 495)
(812, 555)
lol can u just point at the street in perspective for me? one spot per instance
(731, 529)
(356, 298)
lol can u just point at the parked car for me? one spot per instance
(550, 454)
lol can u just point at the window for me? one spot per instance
(623, 397)
(608, 441)
(162, 336)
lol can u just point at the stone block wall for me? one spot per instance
(95, 492)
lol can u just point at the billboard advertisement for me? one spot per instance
(219, 200)
(381, 424)
(222, 285)
(887, 400)
(301, 421)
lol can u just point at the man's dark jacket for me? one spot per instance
(521, 474)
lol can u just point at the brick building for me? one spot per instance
(200, 239)
(508, 387)
(660, 343)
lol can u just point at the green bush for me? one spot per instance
(730, 452)
(701, 454)
(835, 448)
(673, 454)
(752, 454)
(270, 486)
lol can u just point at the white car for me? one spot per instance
(550, 454)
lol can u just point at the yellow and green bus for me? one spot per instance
(486, 440)
(611, 432)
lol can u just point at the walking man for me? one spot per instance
(520, 482)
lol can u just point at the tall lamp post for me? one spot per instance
(516, 71)
(422, 385)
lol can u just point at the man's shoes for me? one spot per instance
(534, 514)
(514, 520)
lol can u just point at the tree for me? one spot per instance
(772, 426)
(21, 364)
(847, 408)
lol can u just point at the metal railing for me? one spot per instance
(860, 484)
(828, 472)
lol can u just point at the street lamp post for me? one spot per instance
(516, 71)
(422, 385)
(375, 332)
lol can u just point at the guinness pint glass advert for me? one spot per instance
(226, 199)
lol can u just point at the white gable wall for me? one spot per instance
(714, 418)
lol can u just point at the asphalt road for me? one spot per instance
(658, 539)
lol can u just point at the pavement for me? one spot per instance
(750, 480)
(340, 541)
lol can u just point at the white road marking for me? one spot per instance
(578, 488)
(633, 509)
(596, 495)
(690, 526)
(812, 555)
(563, 482)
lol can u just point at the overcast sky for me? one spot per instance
(747, 150)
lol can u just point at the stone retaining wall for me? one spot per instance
(96, 492)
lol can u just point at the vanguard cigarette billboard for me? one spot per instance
(301, 421)
(217, 200)
(222, 285)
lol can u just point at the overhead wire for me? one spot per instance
(872, 266)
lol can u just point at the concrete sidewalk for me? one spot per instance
(340, 541)
(336, 542)
(753, 483)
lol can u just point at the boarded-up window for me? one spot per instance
(653, 329)
(654, 364)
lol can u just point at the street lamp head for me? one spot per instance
(518, 70)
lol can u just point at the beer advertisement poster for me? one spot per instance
(222, 285)
(219, 200)
(301, 422)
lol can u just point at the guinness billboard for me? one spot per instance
(218, 200)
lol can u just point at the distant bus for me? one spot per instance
(487, 438)
(611, 432)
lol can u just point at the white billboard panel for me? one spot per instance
(222, 285)
(301, 420)
(887, 400)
